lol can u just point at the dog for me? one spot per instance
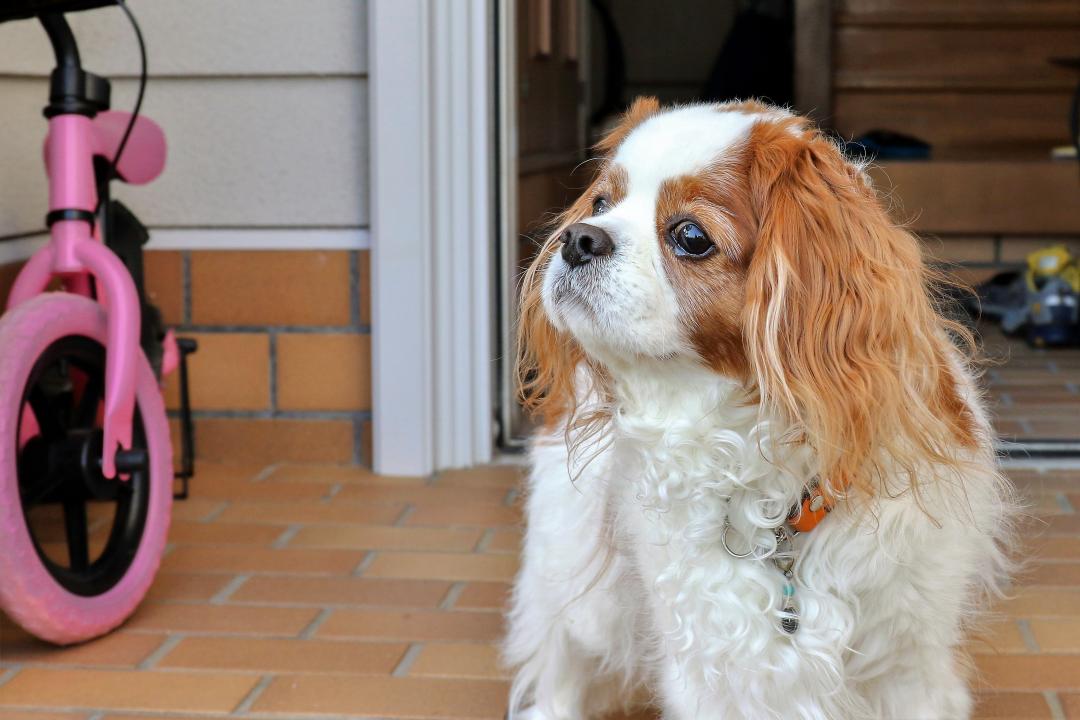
(765, 483)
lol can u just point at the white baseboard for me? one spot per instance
(219, 239)
(12, 251)
(259, 239)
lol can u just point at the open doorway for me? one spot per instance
(569, 68)
(971, 146)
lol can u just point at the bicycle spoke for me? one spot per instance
(43, 492)
(75, 527)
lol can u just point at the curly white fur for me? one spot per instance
(625, 583)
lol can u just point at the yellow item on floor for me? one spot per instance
(1053, 261)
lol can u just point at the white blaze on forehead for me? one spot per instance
(680, 142)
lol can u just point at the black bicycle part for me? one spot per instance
(75, 91)
(25, 9)
(186, 346)
(56, 216)
(60, 468)
(115, 162)
(72, 90)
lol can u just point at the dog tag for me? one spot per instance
(789, 620)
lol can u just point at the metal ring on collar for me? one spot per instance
(723, 540)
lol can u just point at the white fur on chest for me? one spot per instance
(680, 467)
(624, 554)
(676, 479)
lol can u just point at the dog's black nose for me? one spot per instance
(583, 242)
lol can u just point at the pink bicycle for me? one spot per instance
(86, 471)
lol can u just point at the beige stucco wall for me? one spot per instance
(263, 102)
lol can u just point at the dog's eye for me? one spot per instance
(689, 239)
(600, 206)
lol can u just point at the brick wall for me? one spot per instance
(283, 368)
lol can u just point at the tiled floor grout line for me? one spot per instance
(232, 586)
(1064, 503)
(406, 513)
(452, 595)
(286, 536)
(407, 660)
(484, 541)
(1028, 636)
(241, 634)
(245, 705)
(8, 674)
(313, 627)
(160, 652)
(364, 564)
(266, 472)
(1057, 712)
(315, 605)
(216, 512)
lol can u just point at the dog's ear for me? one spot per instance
(547, 358)
(643, 108)
(842, 334)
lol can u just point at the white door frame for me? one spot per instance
(431, 105)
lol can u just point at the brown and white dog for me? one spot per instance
(727, 338)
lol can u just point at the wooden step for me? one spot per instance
(985, 58)
(1031, 13)
(1036, 198)
(959, 119)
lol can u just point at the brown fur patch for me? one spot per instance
(641, 110)
(711, 290)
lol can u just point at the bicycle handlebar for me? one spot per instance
(63, 41)
(23, 9)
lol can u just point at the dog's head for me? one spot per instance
(739, 238)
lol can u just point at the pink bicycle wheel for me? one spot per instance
(77, 552)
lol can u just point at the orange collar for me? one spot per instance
(808, 513)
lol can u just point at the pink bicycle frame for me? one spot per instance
(75, 252)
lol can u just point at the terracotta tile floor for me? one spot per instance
(297, 591)
(1035, 394)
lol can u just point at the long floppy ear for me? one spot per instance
(548, 358)
(843, 337)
